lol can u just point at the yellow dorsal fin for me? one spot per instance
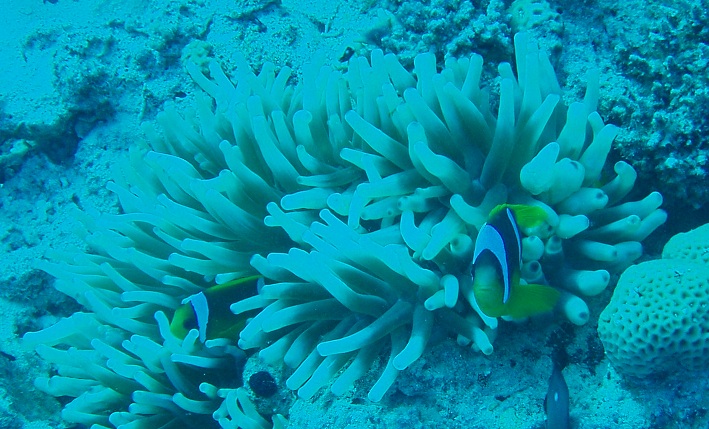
(230, 285)
(526, 216)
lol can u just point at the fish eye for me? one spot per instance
(189, 324)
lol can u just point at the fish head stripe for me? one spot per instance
(489, 239)
(200, 306)
(518, 236)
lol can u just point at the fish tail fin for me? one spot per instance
(529, 300)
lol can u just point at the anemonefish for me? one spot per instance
(497, 261)
(208, 311)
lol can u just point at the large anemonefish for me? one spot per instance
(497, 260)
(208, 311)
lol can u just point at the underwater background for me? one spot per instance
(80, 77)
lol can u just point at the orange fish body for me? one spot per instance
(497, 261)
(208, 311)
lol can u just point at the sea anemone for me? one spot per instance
(357, 196)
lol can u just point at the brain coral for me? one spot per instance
(357, 196)
(658, 319)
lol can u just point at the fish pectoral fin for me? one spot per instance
(531, 299)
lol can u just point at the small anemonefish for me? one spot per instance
(497, 261)
(208, 311)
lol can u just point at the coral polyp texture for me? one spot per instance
(657, 323)
(357, 196)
